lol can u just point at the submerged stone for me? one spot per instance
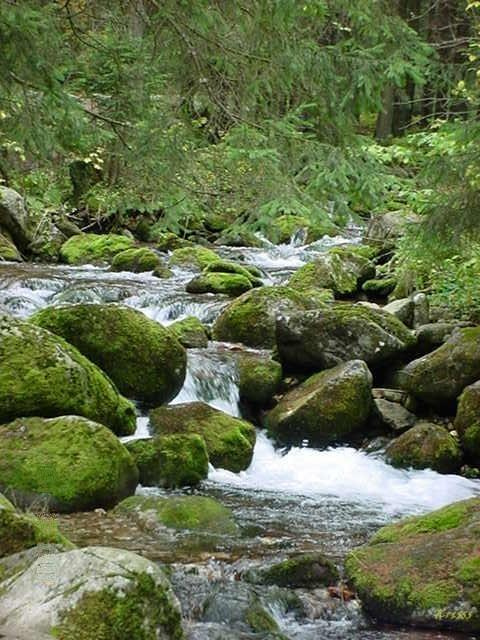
(305, 570)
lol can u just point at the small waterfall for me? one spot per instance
(211, 378)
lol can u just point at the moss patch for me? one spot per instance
(184, 512)
(170, 461)
(190, 332)
(308, 570)
(259, 379)
(137, 614)
(231, 284)
(91, 248)
(143, 359)
(136, 260)
(194, 257)
(43, 375)
(229, 440)
(71, 463)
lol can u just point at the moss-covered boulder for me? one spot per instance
(335, 333)
(439, 377)
(88, 594)
(467, 422)
(426, 446)
(227, 266)
(304, 570)
(196, 513)
(67, 463)
(229, 440)
(379, 287)
(166, 240)
(8, 251)
(340, 270)
(424, 571)
(283, 227)
(142, 358)
(251, 317)
(259, 378)
(42, 375)
(230, 284)
(19, 531)
(190, 332)
(136, 260)
(170, 461)
(329, 407)
(194, 257)
(89, 248)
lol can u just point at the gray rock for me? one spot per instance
(57, 592)
(421, 310)
(433, 335)
(14, 218)
(393, 415)
(402, 309)
(323, 338)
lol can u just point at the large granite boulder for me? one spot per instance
(329, 407)
(143, 359)
(42, 375)
(336, 333)
(423, 571)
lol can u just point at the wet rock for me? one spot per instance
(433, 335)
(14, 218)
(421, 310)
(8, 251)
(230, 284)
(426, 446)
(229, 440)
(467, 422)
(329, 407)
(393, 416)
(439, 377)
(20, 531)
(402, 309)
(282, 228)
(66, 464)
(341, 270)
(196, 513)
(227, 266)
(251, 317)
(424, 571)
(170, 461)
(136, 260)
(306, 570)
(90, 248)
(379, 287)
(194, 257)
(42, 375)
(330, 335)
(90, 593)
(143, 359)
(190, 332)
(259, 378)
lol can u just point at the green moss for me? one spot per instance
(426, 446)
(190, 332)
(8, 251)
(259, 379)
(194, 257)
(471, 442)
(331, 406)
(379, 287)
(70, 462)
(136, 260)
(229, 440)
(260, 620)
(468, 574)
(283, 227)
(251, 318)
(165, 240)
(231, 284)
(170, 461)
(227, 266)
(42, 375)
(140, 613)
(196, 513)
(91, 248)
(142, 358)
(308, 570)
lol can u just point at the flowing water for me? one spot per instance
(288, 500)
